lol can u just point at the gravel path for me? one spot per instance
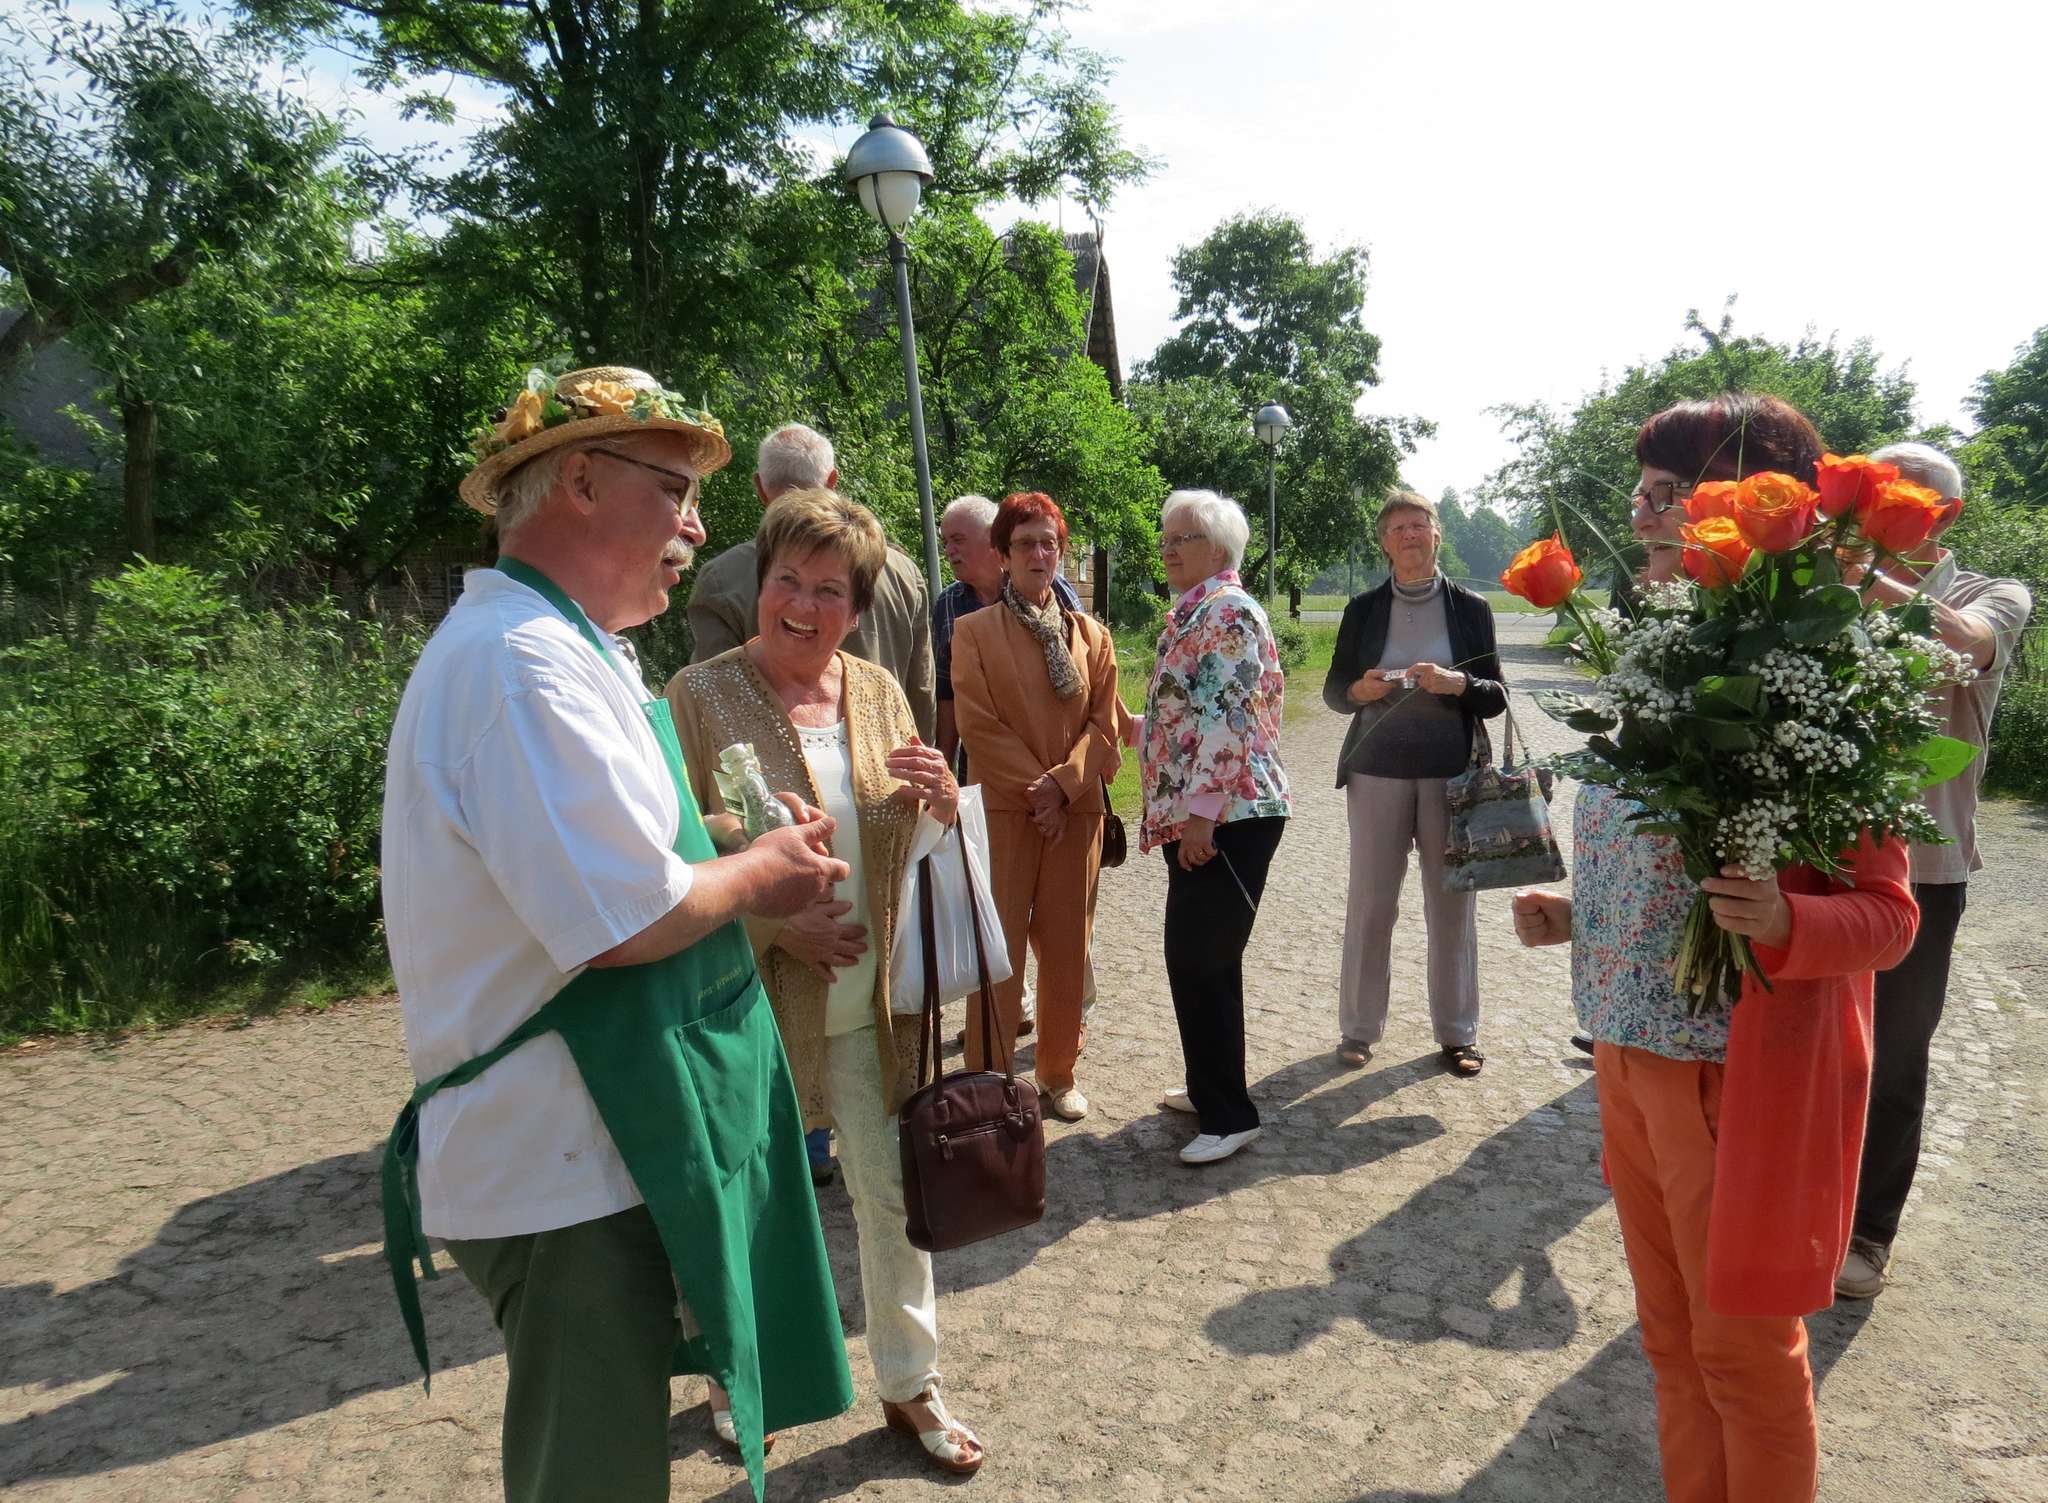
(1411, 1288)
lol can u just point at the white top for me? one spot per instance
(528, 825)
(850, 1000)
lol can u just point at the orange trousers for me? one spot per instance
(1735, 1417)
(1044, 892)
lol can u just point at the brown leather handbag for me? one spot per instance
(1114, 846)
(973, 1145)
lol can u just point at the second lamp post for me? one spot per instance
(1271, 425)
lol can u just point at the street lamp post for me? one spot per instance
(888, 168)
(1271, 425)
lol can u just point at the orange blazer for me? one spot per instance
(1015, 728)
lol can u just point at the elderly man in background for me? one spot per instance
(894, 633)
(605, 1119)
(1981, 618)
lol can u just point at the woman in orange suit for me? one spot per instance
(1034, 695)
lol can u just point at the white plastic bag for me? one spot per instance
(948, 855)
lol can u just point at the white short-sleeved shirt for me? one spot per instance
(528, 824)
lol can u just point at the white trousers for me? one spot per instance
(901, 1306)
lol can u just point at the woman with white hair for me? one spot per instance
(1215, 800)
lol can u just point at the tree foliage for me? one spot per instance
(1263, 318)
(2011, 408)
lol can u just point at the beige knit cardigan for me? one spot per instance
(724, 700)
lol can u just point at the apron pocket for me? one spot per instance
(731, 1055)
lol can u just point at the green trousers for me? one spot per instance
(589, 1318)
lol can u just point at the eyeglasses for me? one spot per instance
(1175, 541)
(681, 489)
(1659, 496)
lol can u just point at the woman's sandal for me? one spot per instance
(950, 1447)
(722, 1425)
(1463, 1059)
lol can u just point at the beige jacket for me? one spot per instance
(895, 631)
(727, 700)
(1016, 729)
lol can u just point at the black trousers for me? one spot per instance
(1209, 916)
(1908, 1008)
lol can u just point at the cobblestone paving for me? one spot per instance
(1411, 1288)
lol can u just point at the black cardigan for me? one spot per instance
(1363, 637)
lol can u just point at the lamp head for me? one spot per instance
(1272, 423)
(888, 168)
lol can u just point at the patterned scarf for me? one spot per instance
(1048, 623)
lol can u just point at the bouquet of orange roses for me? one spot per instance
(1764, 713)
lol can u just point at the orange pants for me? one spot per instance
(1044, 895)
(1734, 1396)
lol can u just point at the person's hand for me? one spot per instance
(1045, 795)
(795, 867)
(925, 774)
(1542, 917)
(1755, 909)
(1434, 680)
(1855, 565)
(815, 936)
(1197, 842)
(1372, 686)
(1052, 823)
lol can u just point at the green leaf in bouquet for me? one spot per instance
(1728, 695)
(1755, 642)
(1916, 615)
(1718, 735)
(1715, 631)
(1562, 634)
(1825, 570)
(1651, 825)
(1587, 722)
(1835, 604)
(1559, 704)
(1943, 757)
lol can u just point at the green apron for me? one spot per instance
(687, 1069)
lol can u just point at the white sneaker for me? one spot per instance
(1068, 1105)
(1176, 1100)
(1209, 1148)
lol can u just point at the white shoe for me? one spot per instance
(1068, 1105)
(1862, 1271)
(1176, 1100)
(1210, 1148)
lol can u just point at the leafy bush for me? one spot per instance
(1291, 637)
(2018, 733)
(187, 789)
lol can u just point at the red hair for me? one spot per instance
(1024, 506)
(1729, 437)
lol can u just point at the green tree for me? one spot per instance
(1263, 318)
(2011, 408)
(1580, 466)
(1483, 540)
(166, 161)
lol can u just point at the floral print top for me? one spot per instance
(1211, 743)
(1630, 896)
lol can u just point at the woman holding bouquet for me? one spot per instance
(1732, 1138)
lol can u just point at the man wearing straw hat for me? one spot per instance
(604, 1119)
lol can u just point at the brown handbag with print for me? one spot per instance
(972, 1143)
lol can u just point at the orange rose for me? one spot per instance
(1774, 511)
(1543, 573)
(1715, 551)
(1711, 498)
(604, 398)
(521, 420)
(1849, 485)
(1902, 516)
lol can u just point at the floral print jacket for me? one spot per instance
(1211, 745)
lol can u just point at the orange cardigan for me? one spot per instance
(1797, 1086)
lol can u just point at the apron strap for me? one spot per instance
(405, 1240)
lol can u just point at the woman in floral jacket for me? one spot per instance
(1215, 799)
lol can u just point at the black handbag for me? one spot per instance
(1499, 820)
(1114, 845)
(972, 1143)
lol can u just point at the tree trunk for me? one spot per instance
(1294, 601)
(1101, 583)
(138, 474)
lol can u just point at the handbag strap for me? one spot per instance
(1482, 744)
(930, 1032)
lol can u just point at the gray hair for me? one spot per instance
(1923, 464)
(794, 457)
(1220, 518)
(980, 508)
(521, 492)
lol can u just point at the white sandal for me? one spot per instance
(951, 1447)
(721, 1421)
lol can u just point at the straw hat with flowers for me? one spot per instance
(586, 404)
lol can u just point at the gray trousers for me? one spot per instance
(1389, 816)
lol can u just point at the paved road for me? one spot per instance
(1410, 1289)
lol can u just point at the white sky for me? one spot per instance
(1545, 189)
